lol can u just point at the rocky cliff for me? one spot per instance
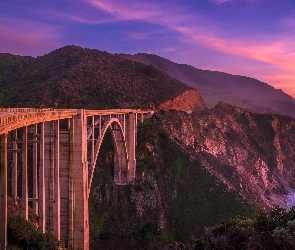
(253, 154)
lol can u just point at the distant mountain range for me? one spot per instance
(214, 86)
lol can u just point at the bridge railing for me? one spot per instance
(90, 112)
(10, 119)
(24, 110)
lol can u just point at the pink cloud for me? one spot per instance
(140, 10)
(275, 51)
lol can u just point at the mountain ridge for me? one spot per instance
(72, 76)
(215, 86)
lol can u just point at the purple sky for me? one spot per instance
(255, 38)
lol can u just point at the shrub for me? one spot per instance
(23, 233)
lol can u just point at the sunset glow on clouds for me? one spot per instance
(255, 38)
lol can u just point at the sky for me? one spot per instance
(254, 38)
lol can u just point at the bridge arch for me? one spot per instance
(121, 155)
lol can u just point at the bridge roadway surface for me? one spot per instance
(61, 156)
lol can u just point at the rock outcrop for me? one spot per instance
(187, 101)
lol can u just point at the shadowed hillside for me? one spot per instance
(82, 78)
(214, 86)
(11, 63)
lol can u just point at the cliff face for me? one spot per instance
(253, 154)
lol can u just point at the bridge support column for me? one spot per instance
(25, 195)
(131, 134)
(41, 200)
(35, 170)
(79, 168)
(3, 192)
(64, 180)
(56, 182)
(14, 167)
(49, 175)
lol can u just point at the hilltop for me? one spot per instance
(83, 78)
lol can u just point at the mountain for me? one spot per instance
(196, 166)
(82, 78)
(214, 86)
(11, 63)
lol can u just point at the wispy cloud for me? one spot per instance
(220, 1)
(271, 50)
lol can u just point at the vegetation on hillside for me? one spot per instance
(173, 198)
(73, 77)
(9, 64)
(275, 231)
(23, 234)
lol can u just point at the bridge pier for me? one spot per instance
(14, 167)
(42, 197)
(25, 187)
(79, 169)
(49, 155)
(131, 132)
(35, 168)
(3, 192)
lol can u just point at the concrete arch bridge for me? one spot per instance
(62, 146)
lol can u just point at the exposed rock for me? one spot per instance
(187, 101)
(253, 154)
